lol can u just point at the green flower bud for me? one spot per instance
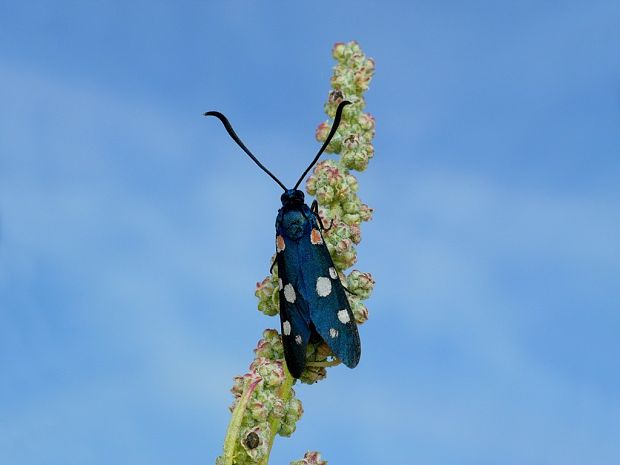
(294, 409)
(258, 410)
(360, 284)
(322, 131)
(365, 212)
(360, 312)
(239, 383)
(279, 406)
(367, 122)
(270, 346)
(287, 429)
(338, 51)
(356, 158)
(268, 295)
(356, 233)
(272, 372)
(345, 254)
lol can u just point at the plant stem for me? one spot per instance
(284, 393)
(232, 435)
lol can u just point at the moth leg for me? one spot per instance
(315, 209)
(350, 292)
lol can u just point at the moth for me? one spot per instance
(313, 301)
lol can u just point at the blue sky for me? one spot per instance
(132, 231)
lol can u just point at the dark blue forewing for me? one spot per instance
(294, 310)
(329, 307)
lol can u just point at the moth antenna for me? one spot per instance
(333, 130)
(235, 137)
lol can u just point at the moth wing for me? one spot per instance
(294, 311)
(330, 310)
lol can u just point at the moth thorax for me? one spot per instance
(294, 224)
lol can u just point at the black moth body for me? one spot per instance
(313, 301)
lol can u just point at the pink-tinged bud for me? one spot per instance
(352, 183)
(367, 122)
(278, 407)
(294, 409)
(272, 372)
(360, 283)
(324, 194)
(360, 312)
(338, 51)
(264, 288)
(268, 295)
(356, 159)
(356, 233)
(263, 349)
(310, 458)
(322, 131)
(287, 429)
(338, 231)
(258, 410)
(342, 80)
(270, 346)
(238, 385)
(345, 255)
(366, 212)
(311, 185)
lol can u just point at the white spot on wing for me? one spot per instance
(298, 339)
(323, 286)
(343, 316)
(332, 272)
(289, 293)
(333, 332)
(280, 285)
(286, 328)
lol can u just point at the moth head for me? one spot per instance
(292, 197)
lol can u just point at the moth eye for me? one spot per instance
(323, 286)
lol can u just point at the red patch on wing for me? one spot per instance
(315, 237)
(280, 245)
